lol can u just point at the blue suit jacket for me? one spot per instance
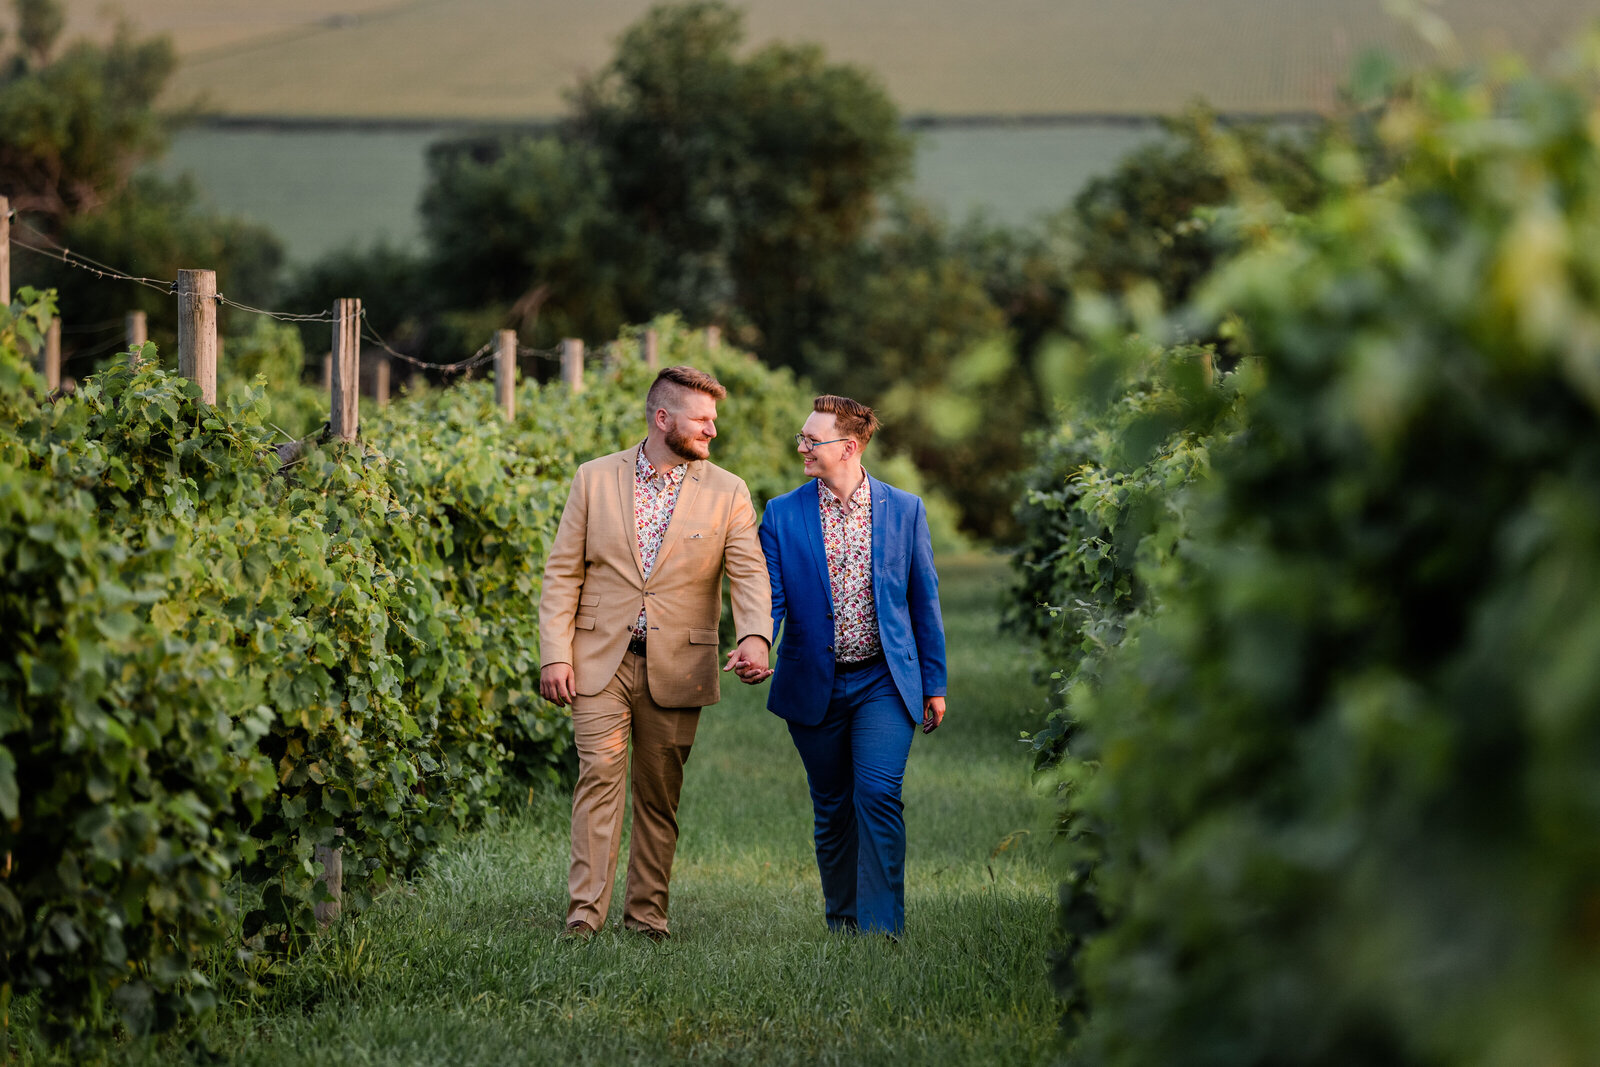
(904, 585)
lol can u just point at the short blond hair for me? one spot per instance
(670, 384)
(853, 418)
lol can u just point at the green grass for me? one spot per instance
(464, 966)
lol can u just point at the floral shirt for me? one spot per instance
(847, 541)
(654, 497)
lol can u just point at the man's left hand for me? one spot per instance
(749, 661)
(932, 713)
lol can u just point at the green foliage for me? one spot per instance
(116, 764)
(271, 358)
(532, 236)
(1330, 800)
(735, 181)
(1105, 508)
(1147, 223)
(688, 179)
(72, 129)
(39, 23)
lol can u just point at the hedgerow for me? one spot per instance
(1330, 797)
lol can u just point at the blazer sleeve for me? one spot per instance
(922, 597)
(751, 591)
(769, 547)
(563, 577)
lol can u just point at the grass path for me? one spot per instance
(464, 966)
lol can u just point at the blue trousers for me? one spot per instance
(855, 761)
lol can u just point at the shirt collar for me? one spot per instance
(862, 497)
(645, 471)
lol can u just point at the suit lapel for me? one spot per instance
(630, 520)
(880, 526)
(687, 492)
(811, 519)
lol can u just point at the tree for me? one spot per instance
(687, 179)
(73, 130)
(528, 237)
(39, 24)
(1142, 222)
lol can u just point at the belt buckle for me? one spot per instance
(636, 645)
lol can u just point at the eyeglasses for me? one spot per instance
(806, 444)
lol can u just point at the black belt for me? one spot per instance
(636, 645)
(859, 664)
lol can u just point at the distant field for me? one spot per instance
(511, 59)
(322, 190)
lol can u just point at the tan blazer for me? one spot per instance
(594, 584)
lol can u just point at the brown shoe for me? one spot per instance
(577, 930)
(657, 936)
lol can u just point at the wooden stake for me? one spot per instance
(5, 251)
(505, 372)
(327, 371)
(50, 358)
(382, 384)
(197, 330)
(713, 337)
(346, 360)
(332, 876)
(135, 329)
(652, 349)
(572, 363)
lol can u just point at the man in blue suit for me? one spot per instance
(862, 659)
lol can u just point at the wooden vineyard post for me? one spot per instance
(197, 330)
(652, 349)
(5, 251)
(50, 357)
(572, 363)
(346, 386)
(713, 337)
(327, 372)
(505, 372)
(332, 876)
(136, 328)
(136, 331)
(381, 386)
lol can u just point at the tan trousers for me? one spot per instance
(602, 725)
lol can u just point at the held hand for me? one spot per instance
(749, 661)
(932, 714)
(558, 684)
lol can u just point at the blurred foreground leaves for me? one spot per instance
(1330, 732)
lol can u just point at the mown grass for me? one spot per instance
(464, 966)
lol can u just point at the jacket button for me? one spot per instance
(830, 614)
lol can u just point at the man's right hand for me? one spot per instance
(558, 684)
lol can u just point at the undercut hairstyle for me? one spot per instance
(668, 389)
(853, 418)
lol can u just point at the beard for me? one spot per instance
(686, 447)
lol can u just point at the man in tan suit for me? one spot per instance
(628, 636)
